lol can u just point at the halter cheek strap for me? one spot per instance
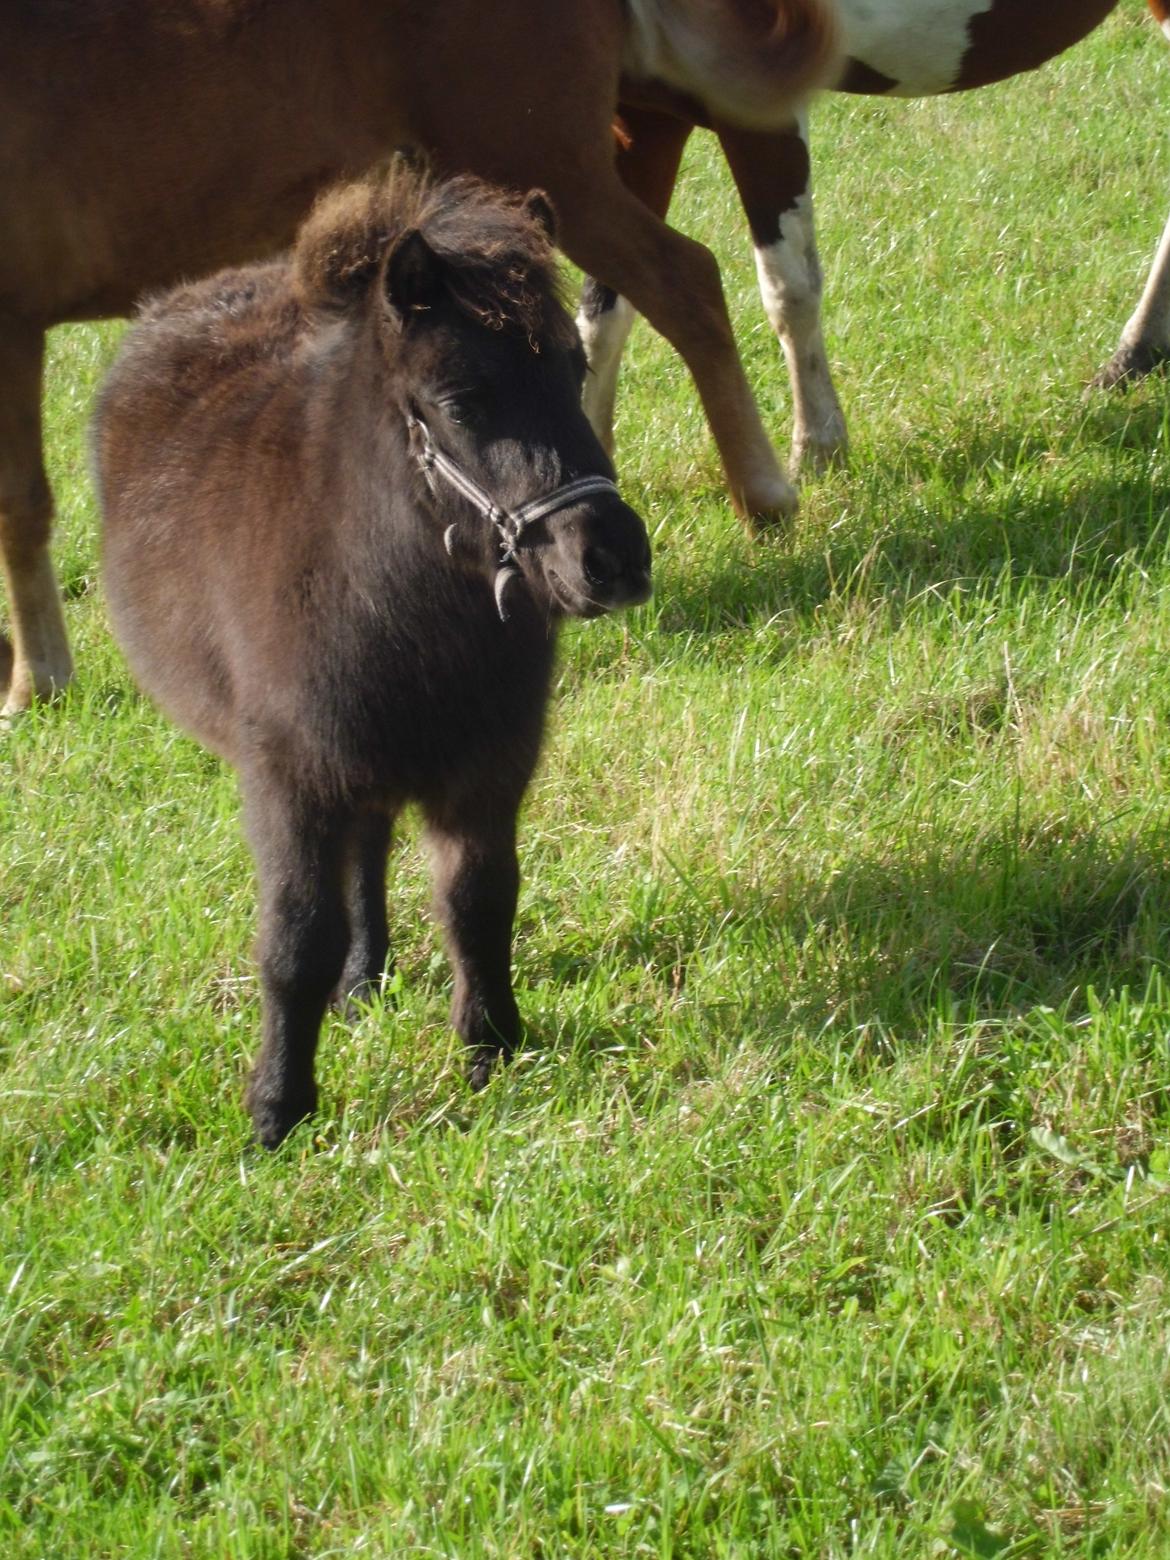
(509, 524)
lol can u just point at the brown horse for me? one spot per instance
(905, 48)
(346, 499)
(141, 143)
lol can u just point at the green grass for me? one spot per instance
(827, 1214)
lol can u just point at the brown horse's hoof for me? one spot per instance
(771, 523)
(36, 684)
(769, 508)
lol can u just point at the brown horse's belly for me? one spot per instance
(137, 154)
(79, 265)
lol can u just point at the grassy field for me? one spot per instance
(828, 1213)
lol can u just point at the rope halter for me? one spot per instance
(509, 524)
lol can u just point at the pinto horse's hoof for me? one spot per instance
(813, 457)
(274, 1117)
(1130, 363)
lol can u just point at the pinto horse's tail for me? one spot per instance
(746, 61)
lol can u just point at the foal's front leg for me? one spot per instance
(299, 848)
(477, 878)
(365, 899)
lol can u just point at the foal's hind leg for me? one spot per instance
(477, 879)
(365, 899)
(299, 849)
(40, 661)
(772, 173)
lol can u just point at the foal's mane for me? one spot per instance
(498, 259)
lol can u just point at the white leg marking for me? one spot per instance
(1149, 324)
(1145, 341)
(789, 273)
(604, 336)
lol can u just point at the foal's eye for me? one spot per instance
(459, 409)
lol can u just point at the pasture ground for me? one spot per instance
(828, 1214)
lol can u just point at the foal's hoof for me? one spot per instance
(274, 1118)
(350, 998)
(479, 1069)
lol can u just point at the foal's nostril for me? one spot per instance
(601, 567)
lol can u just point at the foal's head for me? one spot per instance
(483, 372)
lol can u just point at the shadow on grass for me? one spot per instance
(982, 936)
(997, 498)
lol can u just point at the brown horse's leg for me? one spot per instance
(772, 174)
(365, 898)
(649, 154)
(675, 283)
(477, 879)
(299, 849)
(40, 662)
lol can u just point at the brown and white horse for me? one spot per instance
(899, 48)
(142, 143)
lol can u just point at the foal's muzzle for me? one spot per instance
(601, 547)
(598, 559)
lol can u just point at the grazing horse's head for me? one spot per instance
(482, 370)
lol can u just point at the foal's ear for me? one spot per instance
(414, 275)
(540, 209)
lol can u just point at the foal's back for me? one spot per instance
(194, 444)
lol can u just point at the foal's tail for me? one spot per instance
(747, 61)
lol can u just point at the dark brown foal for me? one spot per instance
(347, 498)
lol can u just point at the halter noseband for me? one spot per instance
(510, 524)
